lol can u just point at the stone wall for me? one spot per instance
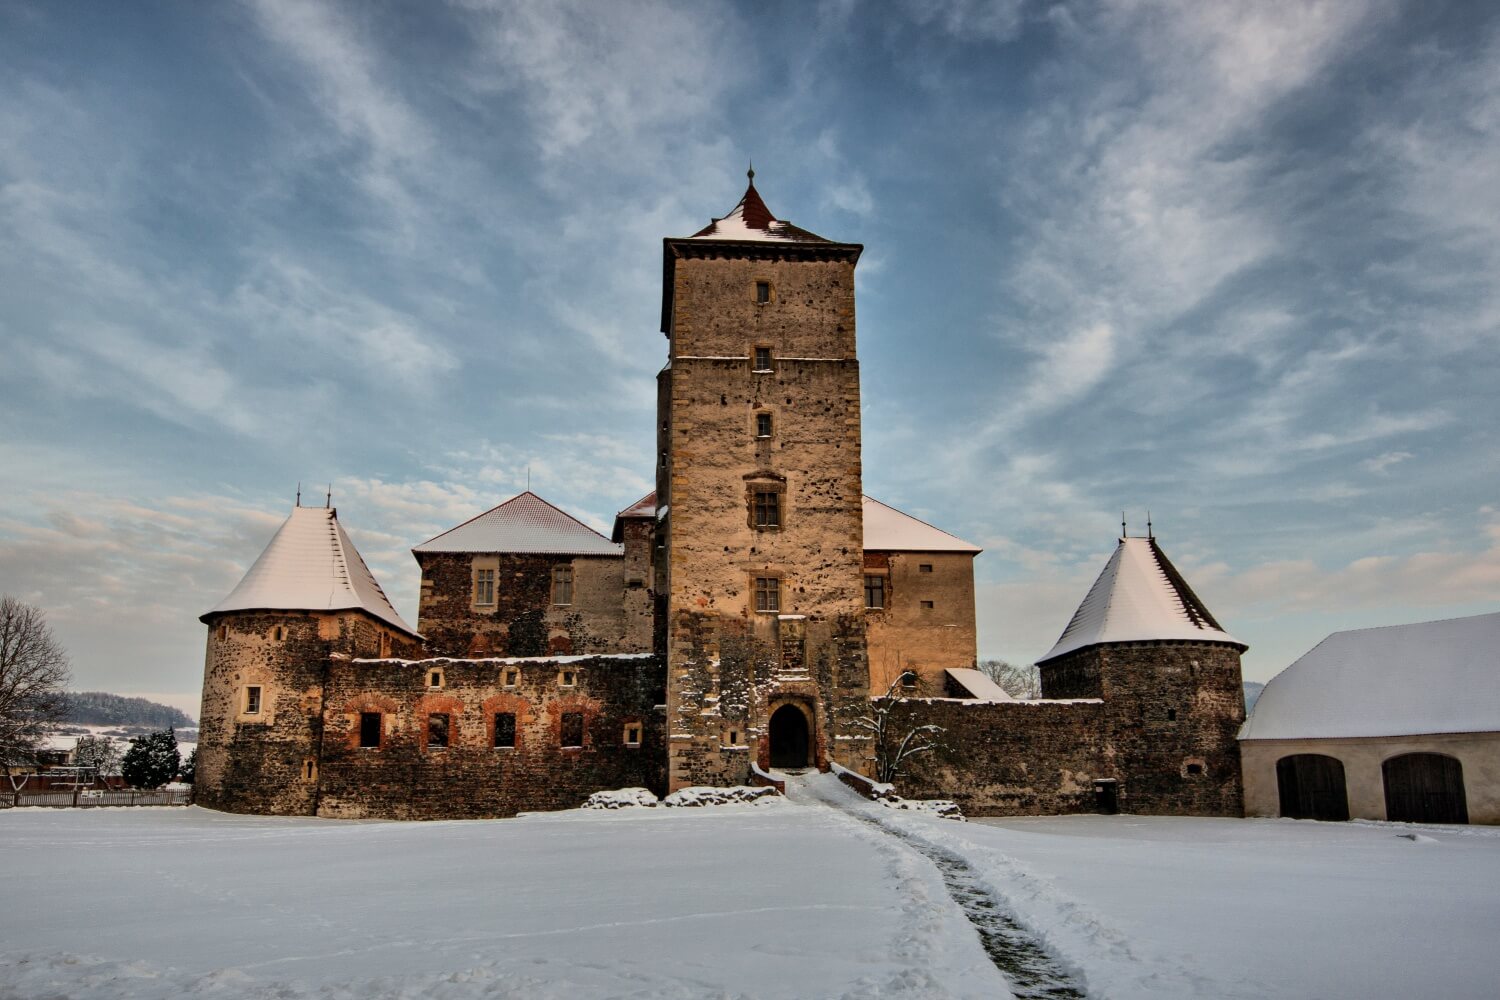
(1025, 758)
(523, 621)
(639, 538)
(405, 778)
(908, 636)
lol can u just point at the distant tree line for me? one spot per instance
(99, 708)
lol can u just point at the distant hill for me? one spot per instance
(98, 708)
(1252, 692)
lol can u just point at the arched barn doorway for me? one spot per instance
(790, 740)
(1425, 788)
(1312, 787)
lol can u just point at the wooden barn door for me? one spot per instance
(1312, 787)
(1425, 788)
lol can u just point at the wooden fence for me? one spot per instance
(85, 798)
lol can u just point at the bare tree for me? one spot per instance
(100, 753)
(33, 682)
(1020, 682)
(891, 752)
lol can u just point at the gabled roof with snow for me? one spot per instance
(890, 530)
(311, 565)
(1139, 597)
(978, 684)
(644, 509)
(524, 524)
(1400, 680)
(752, 220)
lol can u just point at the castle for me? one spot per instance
(742, 617)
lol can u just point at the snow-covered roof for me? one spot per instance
(752, 220)
(890, 530)
(523, 524)
(644, 508)
(1399, 680)
(1139, 597)
(311, 565)
(978, 684)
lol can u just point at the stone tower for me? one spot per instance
(307, 598)
(759, 564)
(1169, 677)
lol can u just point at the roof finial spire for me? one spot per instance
(1123, 533)
(751, 172)
(1148, 524)
(299, 494)
(328, 497)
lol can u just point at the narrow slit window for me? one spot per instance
(875, 592)
(505, 730)
(512, 676)
(369, 729)
(572, 729)
(562, 584)
(252, 700)
(437, 731)
(767, 593)
(762, 359)
(767, 509)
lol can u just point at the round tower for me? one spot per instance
(308, 596)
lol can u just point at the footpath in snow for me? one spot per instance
(825, 895)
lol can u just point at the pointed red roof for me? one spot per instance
(752, 220)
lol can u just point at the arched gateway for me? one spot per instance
(790, 739)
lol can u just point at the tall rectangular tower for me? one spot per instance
(759, 561)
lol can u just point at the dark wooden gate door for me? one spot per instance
(789, 740)
(1425, 788)
(1312, 787)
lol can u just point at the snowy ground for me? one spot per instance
(790, 899)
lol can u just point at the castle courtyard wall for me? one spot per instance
(906, 635)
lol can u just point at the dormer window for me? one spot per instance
(763, 361)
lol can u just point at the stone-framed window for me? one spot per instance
(510, 677)
(730, 739)
(570, 730)
(567, 678)
(223, 632)
(762, 292)
(309, 770)
(562, 584)
(874, 592)
(484, 587)
(765, 424)
(632, 737)
(435, 679)
(278, 633)
(764, 361)
(371, 730)
(252, 699)
(439, 725)
(765, 509)
(505, 731)
(768, 594)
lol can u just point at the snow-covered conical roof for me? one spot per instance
(527, 524)
(1140, 597)
(752, 220)
(311, 565)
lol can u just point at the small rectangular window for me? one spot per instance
(505, 729)
(437, 731)
(484, 586)
(632, 734)
(512, 676)
(875, 592)
(926, 605)
(909, 679)
(252, 701)
(369, 729)
(763, 425)
(762, 291)
(1195, 769)
(924, 568)
(767, 593)
(567, 679)
(572, 729)
(562, 584)
(436, 679)
(767, 509)
(762, 359)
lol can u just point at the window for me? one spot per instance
(562, 584)
(505, 730)
(762, 292)
(762, 359)
(369, 729)
(512, 676)
(632, 734)
(926, 605)
(767, 512)
(875, 592)
(435, 679)
(763, 425)
(223, 631)
(572, 729)
(733, 739)
(484, 586)
(767, 593)
(310, 769)
(1171, 715)
(252, 700)
(1195, 769)
(924, 568)
(567, 678)
(278, 633)
(909, 679)
(437, 731)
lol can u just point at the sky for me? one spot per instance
(1231, 263)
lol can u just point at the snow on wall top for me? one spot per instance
(1139, 597)
(311, 565)
(977, 684)
(752, 220)
(890, 530)
(524, 524)
(1399, 680)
